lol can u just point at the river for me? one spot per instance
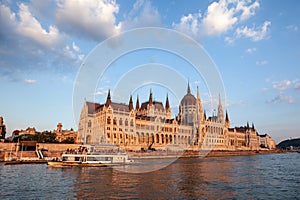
(271, 176)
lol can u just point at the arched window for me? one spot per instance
(108, 121)
(120, 122)
(131, 123)
(126, 122)
(89, 124)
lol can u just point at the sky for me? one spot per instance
(254, 45)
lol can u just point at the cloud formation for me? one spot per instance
(261, 62)
(282, 98)
(37, 46)
(142, 14)
(254, 33)
(282, 85)
(88, 18)
(220, 18)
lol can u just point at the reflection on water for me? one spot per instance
(241, 177)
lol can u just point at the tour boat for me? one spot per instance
(92, 156)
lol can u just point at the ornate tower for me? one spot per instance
(220, 111)
(199, 107)
(130, 103)
(108, 99)
(137, 105)
(168, 109)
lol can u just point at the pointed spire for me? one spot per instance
(253, 126)
(247, 124)
(188, 88)
(220, 110)
(150, 97)
(137, 105)
(226, 118)
(204, 115)
(130, 103)
(167, 102)
(108, 99)
(198, 93)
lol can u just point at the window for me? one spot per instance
(108, 120)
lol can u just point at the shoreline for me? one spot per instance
(156, 154)
(201, 154)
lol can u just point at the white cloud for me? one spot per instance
(42, 46)
(255, 34)
(102, 91)
(219, 18)
(283, 85)
(247, 10)
(250, 50)
(293, 28)
(75, 47)
(189, 24)
(142, 14)
(265, 90)
(30, 81)
(282, 98)
(296, 84)
(30, 27)
(261, 62)
(88, 18)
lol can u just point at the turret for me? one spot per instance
(167, 107)
(130, 103)
(227, 121)
(108, 99)
(137, 105)
(167, 103)
(199, 105)
(220, 110)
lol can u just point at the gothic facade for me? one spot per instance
(150, 126)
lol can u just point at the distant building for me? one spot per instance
(150, 126)
(63, 135)
(28, 131)
(2, 129)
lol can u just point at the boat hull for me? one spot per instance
(65, 164)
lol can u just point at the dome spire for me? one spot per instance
(188, 88)
(137, 106)
(150, 97)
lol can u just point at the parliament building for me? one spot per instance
(149, 126)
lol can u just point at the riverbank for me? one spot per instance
(51, 151)
(192, 154)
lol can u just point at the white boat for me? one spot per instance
(93, 156)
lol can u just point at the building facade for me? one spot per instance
(150, 126)
(63, 135)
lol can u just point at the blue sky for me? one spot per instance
(254, 44)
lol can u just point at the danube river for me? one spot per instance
(273, 176)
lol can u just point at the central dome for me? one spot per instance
(188, 99)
